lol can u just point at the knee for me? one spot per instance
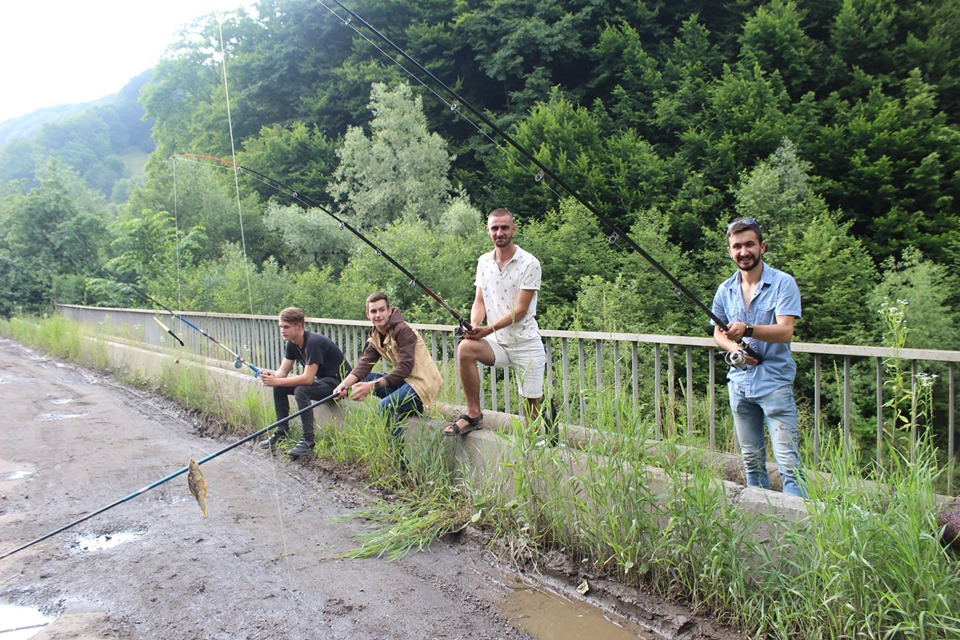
(753, 458)
(302, 394)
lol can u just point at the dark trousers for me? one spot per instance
(305, 394)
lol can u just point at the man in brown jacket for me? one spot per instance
(413, 381)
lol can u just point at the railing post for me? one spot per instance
(846, 402)
(581, 357)
(689, 392)
(712, 397)
(816, 409)
(656, 388)
(879, 364)
(951, 426)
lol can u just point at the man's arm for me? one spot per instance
(368, 358)
(516, 314)
(782, 331)
(281, 378)
(478, 311)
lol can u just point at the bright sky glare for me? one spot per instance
(55, 52)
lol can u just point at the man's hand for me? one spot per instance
(478, 333)
(362, 389)
(269, 378)
(735, 331)
(747, 358)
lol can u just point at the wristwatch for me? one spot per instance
(748, 332)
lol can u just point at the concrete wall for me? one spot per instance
(483, 457)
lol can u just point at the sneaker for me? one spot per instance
(303, 447)
(273, 441)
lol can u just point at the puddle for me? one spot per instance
(103, 541)
(59, 415)
(551, 617)
(15, 475)
(61, 400)
(19, 623)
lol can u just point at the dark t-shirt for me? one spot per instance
(320, 350)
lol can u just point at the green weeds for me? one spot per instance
(865, 560)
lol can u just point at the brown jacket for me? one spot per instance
(403, 348)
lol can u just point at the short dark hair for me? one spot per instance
(376, 297)
(293, 315)
(498, 212)
(744, 224)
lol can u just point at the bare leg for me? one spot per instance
(469, 353)
(531, 409)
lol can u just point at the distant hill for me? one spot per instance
(105, 141)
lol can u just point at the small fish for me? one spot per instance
(198, 485)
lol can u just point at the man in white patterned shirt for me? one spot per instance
(508, 279)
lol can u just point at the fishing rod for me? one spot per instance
(239, 360)
(615, 233)
(464, 325)
(168, 330)
(173, 475)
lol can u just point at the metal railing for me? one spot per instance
(636, 373)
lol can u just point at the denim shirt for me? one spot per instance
(776, 295)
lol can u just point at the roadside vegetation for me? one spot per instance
(866, 562)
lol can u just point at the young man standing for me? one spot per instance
(413, 381)
(760, 305)
(322, 363)
(508, 279)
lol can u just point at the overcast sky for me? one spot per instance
(55, 52)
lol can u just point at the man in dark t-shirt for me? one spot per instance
(322, 364)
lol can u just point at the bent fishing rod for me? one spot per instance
(615, 233)
(167, 478)
(275, 184)
(239, 360)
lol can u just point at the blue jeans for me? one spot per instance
(396, 402)
(780, 411)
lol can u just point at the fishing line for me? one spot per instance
(615, 234)
(453, 106)
(239, 360)
(176, 231)
(233, 154)
(168, 477)
(311, 204)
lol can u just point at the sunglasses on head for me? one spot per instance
(742, 224)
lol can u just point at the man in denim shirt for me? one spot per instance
(760, 305)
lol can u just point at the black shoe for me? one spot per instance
(303, 447)
(273, 441)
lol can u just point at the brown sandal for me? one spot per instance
(454, 429)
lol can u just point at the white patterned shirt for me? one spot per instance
(501, 289)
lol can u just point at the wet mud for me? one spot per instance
(265, 563)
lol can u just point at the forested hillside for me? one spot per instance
(833, 122)
(106, 142)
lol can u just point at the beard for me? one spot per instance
(751, 266)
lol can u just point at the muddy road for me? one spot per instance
(262, 565)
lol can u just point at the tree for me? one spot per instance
(310, 238)
(926, 288)
(774, 39)
(400, 169)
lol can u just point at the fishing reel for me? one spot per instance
(735, 359)
(738, 359)
(238, 363)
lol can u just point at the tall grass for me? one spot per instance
(865, 561)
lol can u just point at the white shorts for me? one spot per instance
(528, 358)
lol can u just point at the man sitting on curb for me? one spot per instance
(322, 363)
(413, 381)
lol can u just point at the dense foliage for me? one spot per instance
(835, 123)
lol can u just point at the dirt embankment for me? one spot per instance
(262, 565)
